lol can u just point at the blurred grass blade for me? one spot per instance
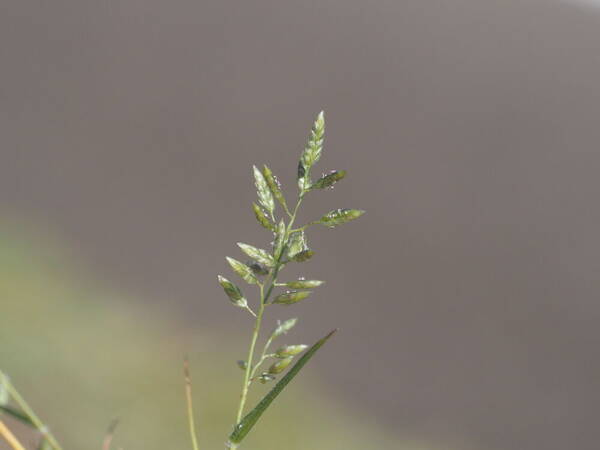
(27, 412)
(247, 423)
(110, 433)
(44, 445)
(15, 414)
(10, 437)
(189, 402)
(4, 394)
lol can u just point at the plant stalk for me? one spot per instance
(255, 333)
(264, 297)
(19, 400)
(9, 437)
(190, 405)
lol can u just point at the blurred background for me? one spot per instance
(467, 296)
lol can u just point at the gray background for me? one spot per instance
(467, 296)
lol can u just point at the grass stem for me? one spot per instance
(19, 400)
(9, 437)
(250, 359)
(110, 433)
(264, 297)
(190, 405)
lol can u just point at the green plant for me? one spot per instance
(24, 414)
(263, 270)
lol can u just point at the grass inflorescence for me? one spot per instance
(262, 269)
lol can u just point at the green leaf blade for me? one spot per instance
(45, 445)
(18, 415)
(4, 393)
(242, 429)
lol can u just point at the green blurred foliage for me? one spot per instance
(83, 356)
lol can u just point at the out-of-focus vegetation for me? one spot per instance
(83, 356)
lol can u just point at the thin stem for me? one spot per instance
(263, 355)
(251, 355)
(9, 437)
(190, 405)
(287, 211)
(110, 433)
(29, 412)
(304, 227)
(264, 297)
(250, 311)
(262, 359)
